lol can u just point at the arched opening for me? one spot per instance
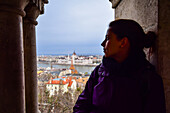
(12, 57)
(67, 27)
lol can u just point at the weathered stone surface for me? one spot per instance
(12, 98)
(115, 3)
(168, 98)
(164, 46)
(145, 12)
(30, 62)
(33, 10)
(12, 85)
(30, 66)
(167, 94)
(19, 4)
(11, 64)
(164, 40)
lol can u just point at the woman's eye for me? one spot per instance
(107, 38)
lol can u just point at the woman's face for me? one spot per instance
(111, 45)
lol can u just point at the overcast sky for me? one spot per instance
(69, 25)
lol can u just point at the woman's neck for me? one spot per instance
(121, 57)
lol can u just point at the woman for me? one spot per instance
(125, 82)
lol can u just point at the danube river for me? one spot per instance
(79, 68)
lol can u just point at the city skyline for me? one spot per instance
(76, 25)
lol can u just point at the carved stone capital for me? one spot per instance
(39, 4)
(115, 3)
(13, 7)
(33, 10)
(42, 6)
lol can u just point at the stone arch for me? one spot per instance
(14, 59)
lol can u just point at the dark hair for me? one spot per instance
(134, 32)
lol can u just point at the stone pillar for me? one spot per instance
(164, 46)
(33, 9)
(11, 58)
(153, 15)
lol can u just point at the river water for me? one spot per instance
(79, 68)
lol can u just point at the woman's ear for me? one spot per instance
(124, 42)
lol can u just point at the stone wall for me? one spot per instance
(145, 12)
(164, 46)
(152, 15)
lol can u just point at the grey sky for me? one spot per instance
(69, 25)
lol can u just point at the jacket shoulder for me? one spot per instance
(148, 70)
(149, 76)
(94, 73)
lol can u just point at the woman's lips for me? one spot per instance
(104, 50)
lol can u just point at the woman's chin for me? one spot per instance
(106, 55)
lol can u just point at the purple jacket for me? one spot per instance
(130, 87)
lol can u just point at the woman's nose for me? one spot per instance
(103, 43)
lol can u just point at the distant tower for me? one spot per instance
(74, 53)
(73, 56)
(73, 70)
(51, 64)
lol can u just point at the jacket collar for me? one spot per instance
(110, 66)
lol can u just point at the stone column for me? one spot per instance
(164, 46)
(30, 62)
(11, 56)
(33, 9)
